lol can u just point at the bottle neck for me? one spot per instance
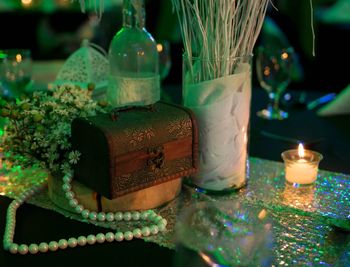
(134, 13)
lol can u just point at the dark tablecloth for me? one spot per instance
(329, 136)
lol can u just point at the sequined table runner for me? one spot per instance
(306, 221)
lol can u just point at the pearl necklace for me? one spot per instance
(149, 215)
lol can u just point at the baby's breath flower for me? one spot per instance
(42, 125)
(38, 136)
(66, 98)
(34, 146)
(74, 157)
(65, 145)
(65, 168)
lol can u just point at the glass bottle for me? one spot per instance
(133, 58)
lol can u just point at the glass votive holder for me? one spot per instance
(223, 233)
(301, 170)
(15, 72)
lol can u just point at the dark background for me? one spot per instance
(57, 33)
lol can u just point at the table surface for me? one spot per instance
(331, 135)
(34, 223)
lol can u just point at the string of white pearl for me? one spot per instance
(149, 215)
(110, 216)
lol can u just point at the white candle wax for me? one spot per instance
(301, 165)
(301, 172)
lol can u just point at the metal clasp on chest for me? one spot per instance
(156, 158)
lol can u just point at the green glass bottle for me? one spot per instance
(134, 61)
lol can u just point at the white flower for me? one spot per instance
(43, 131)
(74, 157)
(38, 136)
(66, 98)
(65, 167)
(62, 112)
(65, 144)
(34, 146)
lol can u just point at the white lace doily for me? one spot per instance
(89, 64)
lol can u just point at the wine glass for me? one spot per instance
(273, 68)
(223, 233)
(15, 72)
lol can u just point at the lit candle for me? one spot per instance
(301, 166)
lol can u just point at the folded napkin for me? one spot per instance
(339, 106)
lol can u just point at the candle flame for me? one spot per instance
(262, 214)
(301, 151)
(27, 2)
(18, 58)
(284, 55)
(159, 48)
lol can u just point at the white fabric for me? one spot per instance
(133, 90)
(222, 108)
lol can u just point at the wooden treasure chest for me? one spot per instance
(134, 157)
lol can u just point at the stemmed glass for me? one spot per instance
(273, 68)
(15, 72)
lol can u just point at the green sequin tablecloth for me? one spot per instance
(303, 218)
